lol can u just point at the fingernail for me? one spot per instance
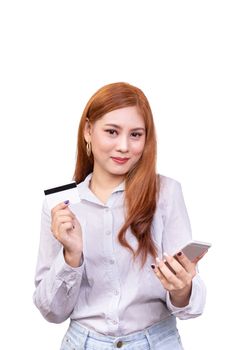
(165, 255)
(157, 261)
(66, 202)
(179, 254)
(152, 266)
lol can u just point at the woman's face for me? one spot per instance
(117, 141)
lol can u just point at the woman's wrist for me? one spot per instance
(72, 259)
(181, 298)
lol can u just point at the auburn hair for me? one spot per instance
(141, 182)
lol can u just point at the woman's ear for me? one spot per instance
(87, 131)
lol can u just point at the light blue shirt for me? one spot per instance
(110, 293)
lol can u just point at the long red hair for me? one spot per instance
(141, 182)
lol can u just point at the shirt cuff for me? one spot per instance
(66, 273)
(196, 302)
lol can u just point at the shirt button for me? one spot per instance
(119, 344)
(108, 233)
(116, 292)
(111, 262)
(114, 322)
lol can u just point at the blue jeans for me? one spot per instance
(161, 336)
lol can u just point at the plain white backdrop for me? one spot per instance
(54, 56)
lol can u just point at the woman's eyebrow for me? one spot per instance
(113, 126)
(119, 127)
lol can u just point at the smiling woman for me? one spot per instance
(117, 141)
(95, 256)
(116, 146)
(126, 108)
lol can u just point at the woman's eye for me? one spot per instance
(111, 131)
(136, 134)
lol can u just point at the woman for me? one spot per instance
(106, 261)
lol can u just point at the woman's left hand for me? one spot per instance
(176, 276)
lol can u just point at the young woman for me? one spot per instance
(106, 261)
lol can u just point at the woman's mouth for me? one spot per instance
(119, 160)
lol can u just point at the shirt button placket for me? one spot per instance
(119, 344)
(107, 224)
(111, 270)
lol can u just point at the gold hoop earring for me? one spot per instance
(88, 149)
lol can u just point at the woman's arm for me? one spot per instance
(185, 290)
(57, 282)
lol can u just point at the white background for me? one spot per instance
(54, 56)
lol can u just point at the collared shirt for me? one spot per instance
(110, 293)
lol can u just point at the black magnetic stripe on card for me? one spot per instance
(60, 188)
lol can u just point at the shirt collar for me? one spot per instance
(86, 193)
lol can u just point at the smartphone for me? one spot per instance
(195, 249)
(62, 193)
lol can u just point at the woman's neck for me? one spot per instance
(102, 185)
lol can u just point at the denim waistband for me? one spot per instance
(156, 329)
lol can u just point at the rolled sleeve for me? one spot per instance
(196, 302)
(65, 273)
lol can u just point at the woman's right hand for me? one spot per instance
(67, 230)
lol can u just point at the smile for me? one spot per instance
(120, 160)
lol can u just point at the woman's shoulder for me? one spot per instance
(168, 187)
(167, 182)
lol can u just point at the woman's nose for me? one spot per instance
(123, 145)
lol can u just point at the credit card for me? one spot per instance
(62, 193)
